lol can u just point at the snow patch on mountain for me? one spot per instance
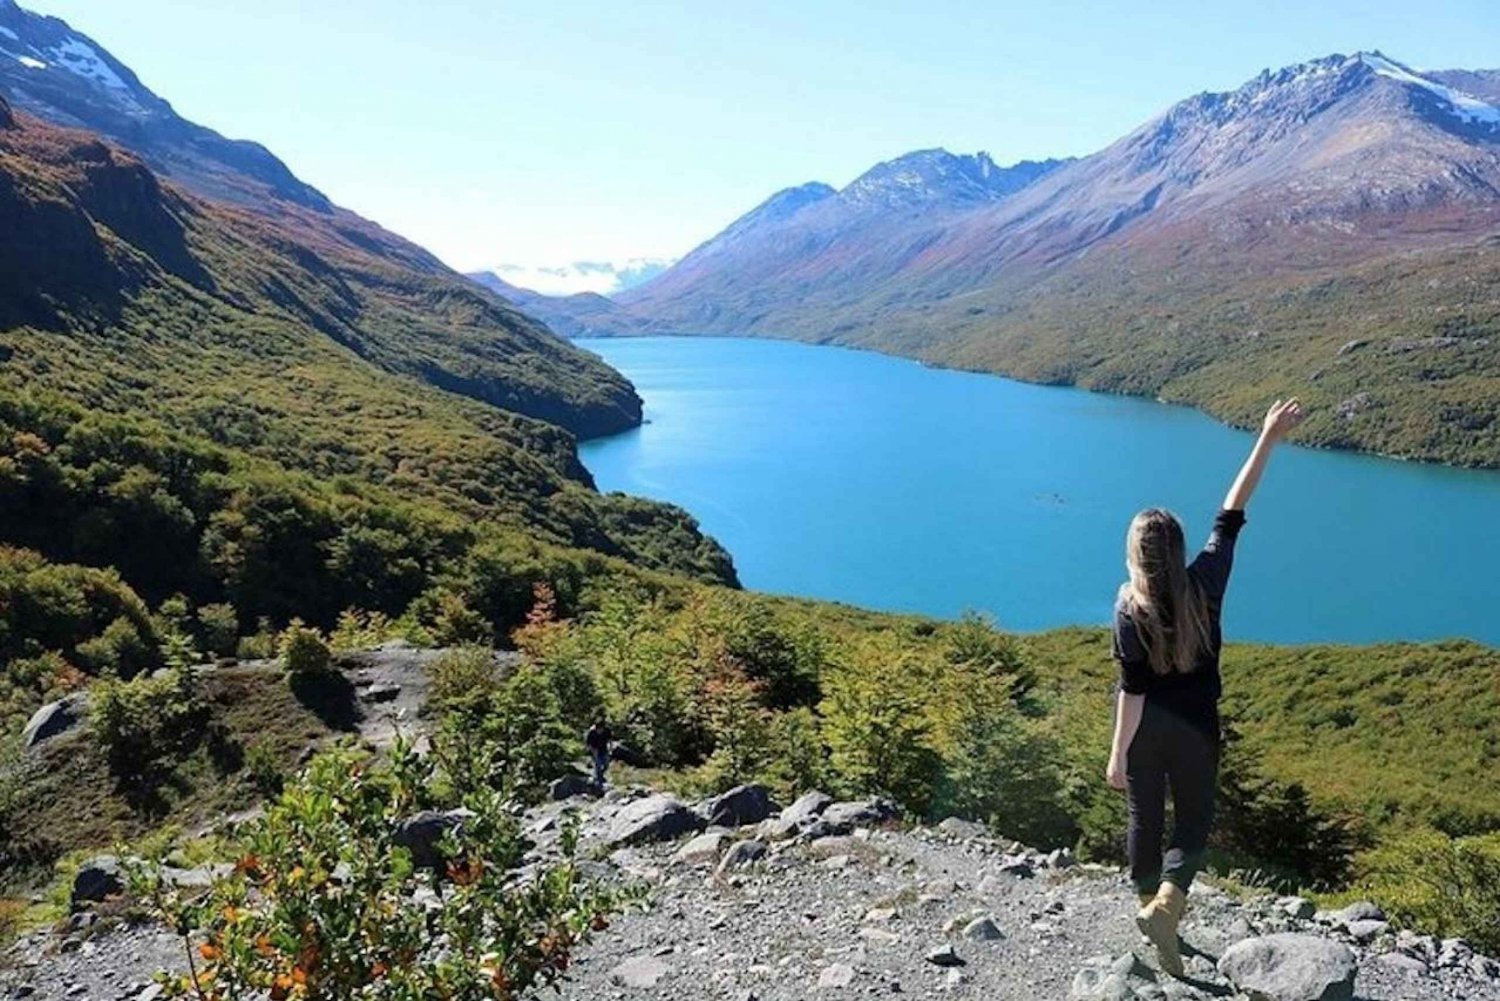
(30, 63)
(1464, 106)
(9, 34)
(78, 56)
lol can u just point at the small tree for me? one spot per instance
(303, 651)
(219, 629)
(741, 728)
(876, 723)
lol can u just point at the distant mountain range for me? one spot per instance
(1327, 229)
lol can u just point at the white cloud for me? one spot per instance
(602, 277)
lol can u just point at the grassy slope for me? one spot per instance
(71, 801)
(1392, 733)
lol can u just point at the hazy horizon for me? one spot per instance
(514, 135)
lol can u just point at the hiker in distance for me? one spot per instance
(1166, 643)
(597, 741)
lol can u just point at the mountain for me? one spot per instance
(814, 241)
(66, 77)
(1323, 230)
(387, 299)
(583, 314)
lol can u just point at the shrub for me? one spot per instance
(1445, 886)
(876, 723)
(463, 675)
(741, 728)
(973, 643)
(219, 629)
(303, 651)
(144, 722)
(454, 623)
(1273, 827)
(283, 925)
(997, 767)
(260, 645)
(360, 630)
(120, 649)
(264, 770)
(799, 761)
(508, 737)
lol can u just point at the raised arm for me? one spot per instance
(1280, 419)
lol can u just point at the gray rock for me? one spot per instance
(1484, 968)
(660, 817)
(741, 854)
(703, 848)
(983, 930)
(422, 834)
(640, 972)
(1018, 868)
(794, 818)
(1298, 907)
(97, 879)
(1291, 967)
(54, 719)
(944, 955)
(957, 827)
(1362, 910)
(842, 818)
(836, 976)
(746, 804)
(1367, 930)
(570, 785)
(1402, 963)
(1454, 952)
(1061, 858)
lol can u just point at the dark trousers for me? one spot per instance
(1169, 753)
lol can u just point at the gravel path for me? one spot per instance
(846, 915)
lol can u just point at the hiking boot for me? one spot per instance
(1158, 921)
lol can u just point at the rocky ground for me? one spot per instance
(833, 900)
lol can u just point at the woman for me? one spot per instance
(1166, 643)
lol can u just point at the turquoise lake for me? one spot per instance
(851, 476)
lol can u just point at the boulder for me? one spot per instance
(1367, 929)
(960, 829)
(842, 818)
(1362, 910)
(97, 879)
(422, 834)
(660, 817)
(746, 804)
(795, 817)
(570, 785)
(703, 848)
(1291, 967)
(1299, 907)
(741, 854)
(54, 718)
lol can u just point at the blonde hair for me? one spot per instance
(1165, 603)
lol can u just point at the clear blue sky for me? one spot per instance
(541, 133)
